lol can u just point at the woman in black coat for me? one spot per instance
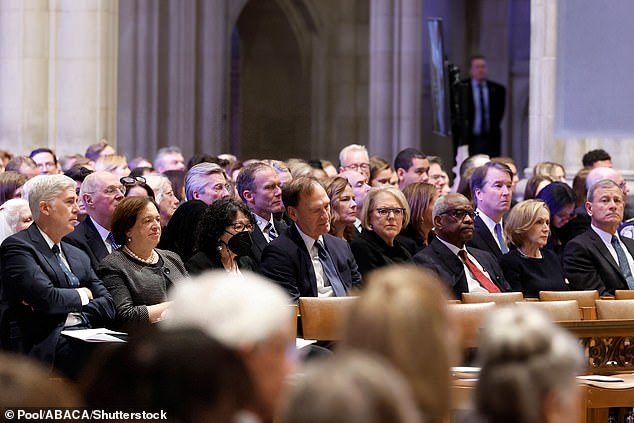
(385, 212)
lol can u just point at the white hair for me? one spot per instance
(349, 149)
(45, 188)
(159, 185)
(10, 216)
(235, 310)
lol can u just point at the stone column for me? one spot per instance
(57, 74)
(544, 143)
(396, 34)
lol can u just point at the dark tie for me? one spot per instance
(484, 127)
(498, 233)
(477, 273)
(270, 230)
(113, 244)
(623, 264)
(72, 280)
(329, 270)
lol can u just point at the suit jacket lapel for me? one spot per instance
(299, 241)
(484, 232)
(39, 243)
(93, 238)
(451, 262)
(597, 242)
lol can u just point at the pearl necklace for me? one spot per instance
(539, 254)
(152, 260)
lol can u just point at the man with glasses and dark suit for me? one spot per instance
(464, 269)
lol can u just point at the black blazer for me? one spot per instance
(483, 239)
(201, 261)
(371, 252)
(589, 265)
(450, 268)
(31, 274)
(287, 261)
(259, 241)
(87, 238)
(497, 104)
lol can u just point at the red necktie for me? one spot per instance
(477, 273)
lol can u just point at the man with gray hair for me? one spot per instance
(206, 182)
(463, 268)
(355, 157)
(581, 223)
(48, 285)
(249, 314)
(599, 258)
(101, 192)
(169, 158)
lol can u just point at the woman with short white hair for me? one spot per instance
(15, 215)
(528, 371)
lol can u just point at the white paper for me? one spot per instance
(599, 378)
(94, 335)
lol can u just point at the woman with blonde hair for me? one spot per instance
(529, 267)
(113, 163)
(343, 207)
(384, 214)
(402, 316)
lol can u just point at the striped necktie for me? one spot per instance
(270, 230)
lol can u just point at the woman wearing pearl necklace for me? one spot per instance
(138, 275)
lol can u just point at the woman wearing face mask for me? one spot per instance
(224, 238)
(137, 274)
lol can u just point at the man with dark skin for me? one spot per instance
(464, 269)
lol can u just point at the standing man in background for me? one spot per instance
(483, 103)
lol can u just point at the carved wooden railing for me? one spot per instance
(608, 344)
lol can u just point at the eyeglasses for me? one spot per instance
(357, 166)
(114, 189)
(220, 187)
(460, 214)
(241, 227)
(385, 211)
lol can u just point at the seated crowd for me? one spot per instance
(214, 251)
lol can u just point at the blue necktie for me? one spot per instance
(484, 127)
(72, 280)
(623, 265)
(113, 244)
(329, 270)
(498, 233)
(270, 230)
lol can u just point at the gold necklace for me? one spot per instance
(152, 260)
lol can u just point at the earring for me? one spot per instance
(129, 239)
(219, 248)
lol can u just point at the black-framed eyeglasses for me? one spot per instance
(460, 214)
(241, 227)
(385, 211)
(129, 181)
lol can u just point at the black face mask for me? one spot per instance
(240, 243)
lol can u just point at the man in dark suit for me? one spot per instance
(491, 189)
(48, 285)
(305, 260)
(464, 269)
(101, 192)
(483, 104)
(599, 258)
(260, 188)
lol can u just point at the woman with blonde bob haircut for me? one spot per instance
(529, 267)
(113, 163)
(384, 214)
(402, 315)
